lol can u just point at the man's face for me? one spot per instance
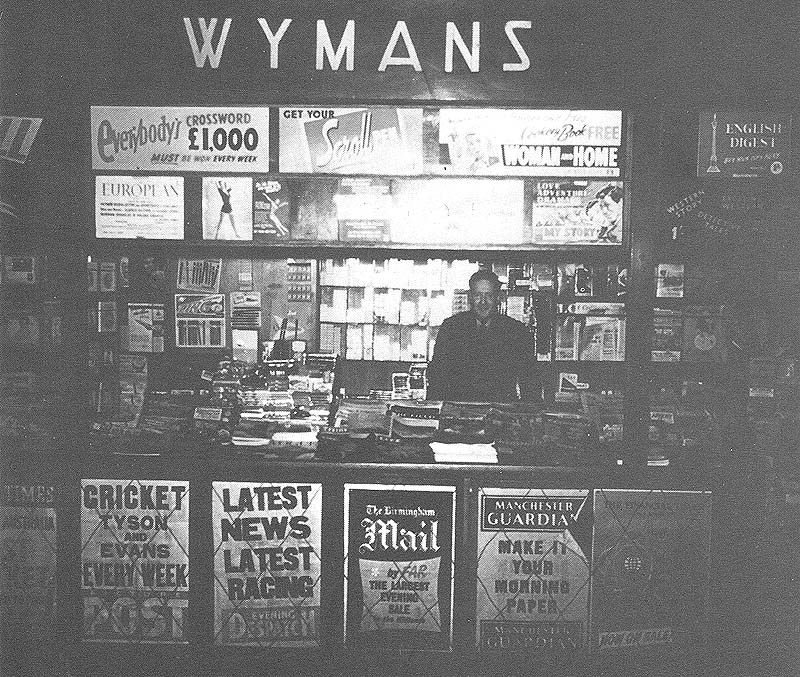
(483, 299)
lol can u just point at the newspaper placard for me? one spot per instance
(200, 320)
(492, 142)
(399, 554)
(27, 557)
(149, 207)
(650, 576)
(135, 560)
(743, 144)
(207, 139)
(534, 548)
(267, 564)
(577, 212)
(369, 140)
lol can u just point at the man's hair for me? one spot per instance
(484, 274)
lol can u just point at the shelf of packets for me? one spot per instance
(689, 334)
(590, 331)
(685, 428)
(773, 405)
(368, 429)
(31, 409)
(279, 404)
(388, 310)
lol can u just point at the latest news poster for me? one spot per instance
(743, 144)
(208, 139)
(27, 557)
(484, 142)
(534, 547)
(370, 140)
(399, 554)
(267, 564)
(150, 207)
(650, 577)
(135, 560)
(577, 212)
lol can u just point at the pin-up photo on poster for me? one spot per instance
(370, 140)
(183, 139)
(577, 212)
(650, 574)
(135, 560)
(486, 142)
(150, 207)
(227, 208)
(534, 550)
(267, 564)
(27, 557)
(399, 555)
(743, 144)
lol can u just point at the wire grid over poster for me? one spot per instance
(533, 572)
(267, 564)
(399, 566)
(27, 557)
(135, 560)
(651, 568)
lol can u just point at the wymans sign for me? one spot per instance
(208, 38)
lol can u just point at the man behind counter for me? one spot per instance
(481, 355)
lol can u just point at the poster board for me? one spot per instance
(267, 564)
(180, 139)
(27, 557)
(534, 551)
(651, 557)
(135, 560)
(398, 558)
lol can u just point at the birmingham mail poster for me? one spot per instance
(399, 549)
(485, 142)
(207, 139)
(135, 560)
(369, 140)
(651, 568)
(27, 557)
(534, 548)
(267, 564)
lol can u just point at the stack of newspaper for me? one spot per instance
(464, 453)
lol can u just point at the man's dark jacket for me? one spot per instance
(475, 364)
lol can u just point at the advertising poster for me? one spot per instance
(17, 136)
(149, 207)
(271, 208)
(146, 327)
(267, 564)
(577, 212)
(483, 142)
(227, 208)
(27, 556)
(363, 209)
(743, 144)
(650, 577)
(200, 320)
(135, 560)
(208, 139)
(373, 140)
(467, 212)
(534, 547)
(399, 555)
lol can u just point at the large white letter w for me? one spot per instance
(207, 32)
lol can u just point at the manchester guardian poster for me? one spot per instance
(533, 569)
